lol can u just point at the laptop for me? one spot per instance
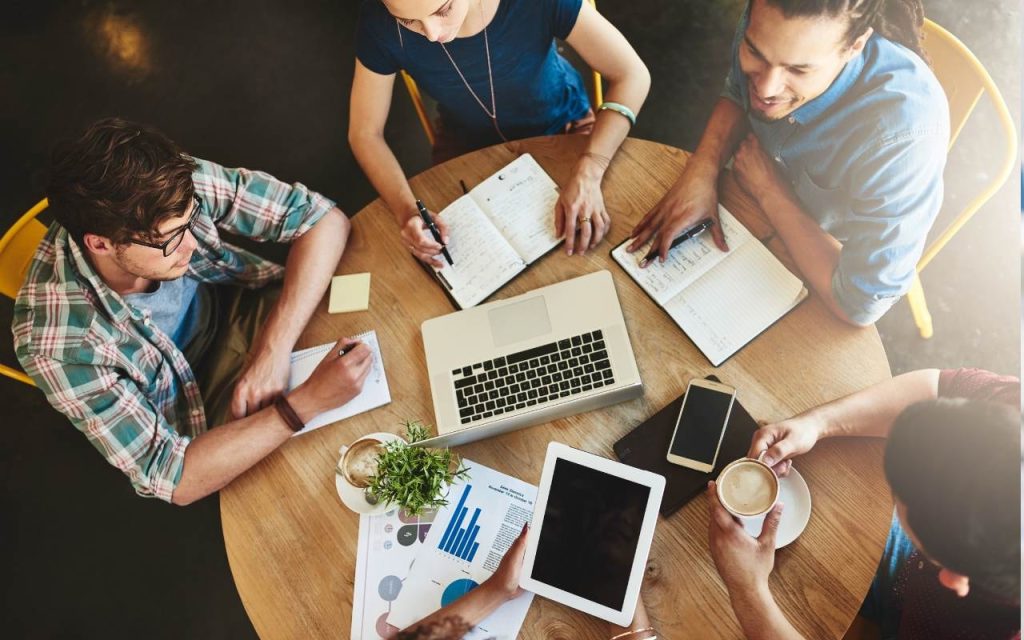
(514, 363)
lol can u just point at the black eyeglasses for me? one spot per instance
(170, 245)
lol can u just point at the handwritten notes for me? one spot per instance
(520, 201)
(497, 229)
(721, 300)
(483, 259)
(687, 262)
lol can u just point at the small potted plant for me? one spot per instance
(414, 477)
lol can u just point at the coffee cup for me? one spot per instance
(748, 488)
(359, 461)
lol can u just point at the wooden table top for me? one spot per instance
(291, 544)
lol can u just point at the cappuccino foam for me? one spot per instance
(748, 488)
(360, 462)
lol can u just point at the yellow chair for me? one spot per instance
(16, 249)
(964, 80)
(428, 126)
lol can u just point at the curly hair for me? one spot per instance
(118, 180)
(897, 20)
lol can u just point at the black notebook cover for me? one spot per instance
(645, 448)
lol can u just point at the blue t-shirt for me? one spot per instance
(537, 91)
(865, 158)
(176, 307)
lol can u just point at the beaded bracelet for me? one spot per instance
(620, 109)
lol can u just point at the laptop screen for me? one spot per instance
(589, 535)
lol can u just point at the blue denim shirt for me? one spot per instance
(865, 158)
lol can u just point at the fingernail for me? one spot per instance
(768, 460)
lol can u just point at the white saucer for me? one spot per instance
(351, 495)
(794, 494)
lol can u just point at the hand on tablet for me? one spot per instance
(506, 579)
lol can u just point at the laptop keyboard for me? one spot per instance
(532, 377)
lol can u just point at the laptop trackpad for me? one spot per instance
(519, 321)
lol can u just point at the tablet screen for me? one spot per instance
(589, 534)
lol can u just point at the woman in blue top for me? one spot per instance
(494, 71)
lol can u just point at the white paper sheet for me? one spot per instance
(484, 260)
(721, 300)
(520, 200)
(497, 229)
(685, 263)
(375, 391)
(388, 544)
(743, 296)
(469, 536)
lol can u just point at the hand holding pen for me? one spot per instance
(692, 232)
(419, 240)
(429, 222)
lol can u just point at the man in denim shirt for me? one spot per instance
(840, 132)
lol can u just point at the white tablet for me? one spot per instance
(592, 527)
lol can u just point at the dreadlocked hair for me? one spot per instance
(897, 20)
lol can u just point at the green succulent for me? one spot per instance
(414, 477)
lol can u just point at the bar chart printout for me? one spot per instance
(459, 537)
(464, 545)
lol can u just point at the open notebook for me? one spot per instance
(496, 230)
(720, 300)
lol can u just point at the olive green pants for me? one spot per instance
(236, 319)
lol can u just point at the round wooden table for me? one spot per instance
(291, 544)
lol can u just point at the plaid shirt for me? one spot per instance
(105, 365)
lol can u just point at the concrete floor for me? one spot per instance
(265, 85)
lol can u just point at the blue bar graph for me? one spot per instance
(458, 540)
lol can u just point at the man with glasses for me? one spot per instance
(146, 328)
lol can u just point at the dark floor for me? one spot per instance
(264, 84)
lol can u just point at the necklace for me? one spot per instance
(492, 113)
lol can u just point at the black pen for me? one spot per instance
(427, 220)
(695, 230)
(464, 189)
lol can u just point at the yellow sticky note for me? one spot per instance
(349, 293)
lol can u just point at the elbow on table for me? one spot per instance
(858, 306)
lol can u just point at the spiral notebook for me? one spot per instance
(498, 229)
(721, 300)
(375, 392)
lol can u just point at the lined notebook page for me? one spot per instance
(520, 201)
(741, 297)
(685, 263)
(483, 259)
(375, 392)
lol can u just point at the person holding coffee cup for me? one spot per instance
(951, 567)
(748, 487)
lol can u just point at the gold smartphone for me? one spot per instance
(701, 424)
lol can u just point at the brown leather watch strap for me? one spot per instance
(288, 414)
